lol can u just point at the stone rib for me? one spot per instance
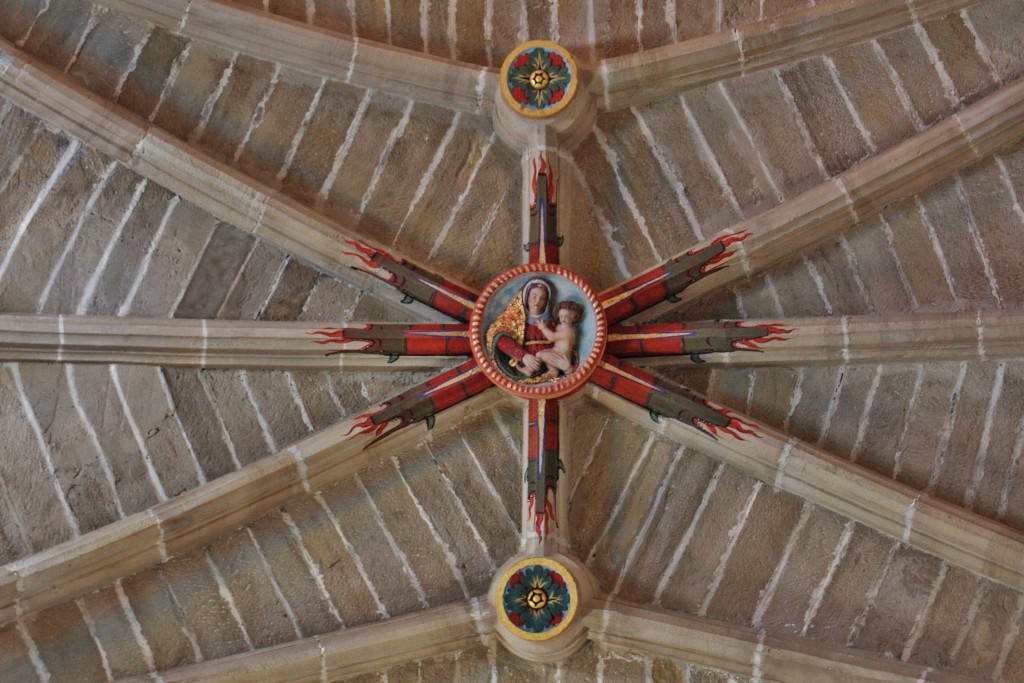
(947, 531)
(636, 79)
(192, 174)
(191, 343)
(820, 214)
(970, 335)
(422, 77)
(747, 652)
(195, 518)
(352, 651)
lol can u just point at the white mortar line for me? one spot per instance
(745, 129)
(684, 542)
(854, 114)
(451, 28)
(220, 420)
(140, 440)
(33, 653)
(94, 280)
(669, 12)
(833, 404)
(396, 133)
(1004, 174)
(360, 568)
(387, 19)
(449, 556)
(798, 117)
(757, 661)
(638, 12)
(300, 132)
(457, 499)
(428, 177)
(44, 7)
(795, 398)
(901, 443)
(324, 677)
(172, 408)
(607, 230)
(133, 63)
(355, 54)
(654, 510)
(457, 207)
(268, 570)
(719, 14)
(1008, 641)
(161, 545)
(1011, 474)
(986, 438)
(90, 25)
(228, 598)
(819, 591)
(488, 483)
(172, 79)
(425, 24)
(58, 172)
(979, 243)
(489, 31)
(258, 113)
(670, 173)
(936, 246)
(948, 86)
(187, 279)
(406, 567)
(871, 596)
(147, 258)
(851, 261)
(264, 426)
(901, 90)
(294, 390)
(627, 196)
(620, 500)
(44, 449)
(590, 457)
(185, 17)
(311, 566)
(485, 230)
(207, 111)
(524, 22)
(710, 158)
(947, 429)
(922, 616)
(93, 438)
(904, 280)
(346, 145)
(819, 283)
(968, 621)
(768, 592)
(980, 47)
(133, 621)
(733, 536)
(310, 12)
(12, 169)
(182, 618)
(865, 414)
(908, 520)
(91, 625)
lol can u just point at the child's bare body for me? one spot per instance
(559, 357)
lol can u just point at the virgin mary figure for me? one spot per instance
(514, 337)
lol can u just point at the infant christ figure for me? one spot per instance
(559, 359)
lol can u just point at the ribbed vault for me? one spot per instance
(180, 186)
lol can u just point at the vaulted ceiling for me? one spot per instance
(179, 495)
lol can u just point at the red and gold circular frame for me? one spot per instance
(497, 314)
(537, 598)
(538, 79)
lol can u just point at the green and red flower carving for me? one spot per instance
(536, 599)
(539, 78)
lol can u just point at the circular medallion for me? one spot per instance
(538, 78)
(537, 598)
(538, 331)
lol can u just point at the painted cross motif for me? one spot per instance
(540, 332)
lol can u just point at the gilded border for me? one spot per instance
(570, 582)
(563, 386)
(549, 111)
